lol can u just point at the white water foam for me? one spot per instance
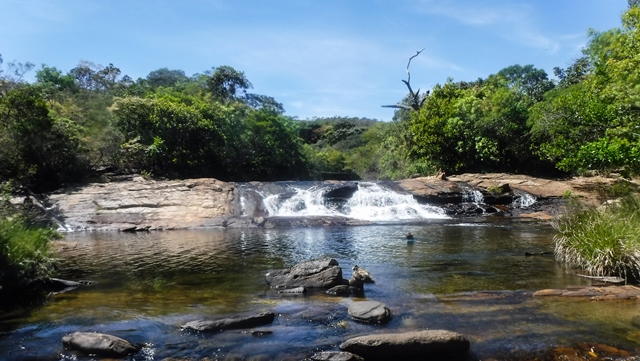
(524, 200)
(371, 202)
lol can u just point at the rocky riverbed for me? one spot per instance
(138, 204)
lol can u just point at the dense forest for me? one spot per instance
(68, 127)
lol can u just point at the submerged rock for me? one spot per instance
(417, 345)
(335, 356)
(317, 273)
(99, 344)
(230, 323)
(370, 311)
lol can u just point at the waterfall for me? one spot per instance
(370, 202)
(523, 200)
(471, 195)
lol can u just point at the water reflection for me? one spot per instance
(472, 278)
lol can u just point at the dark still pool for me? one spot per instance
(472, 278)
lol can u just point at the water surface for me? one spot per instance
(469, 277)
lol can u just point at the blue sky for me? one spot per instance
(319, 58)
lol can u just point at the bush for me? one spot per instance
(24, 254)
(601, 241)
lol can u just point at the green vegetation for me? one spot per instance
(24, 254)
(601, 241)
(65, 127)
(68, 127)
(24, 249)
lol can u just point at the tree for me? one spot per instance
(37, 150)
(528, 80)
(13, 75)
(595, 124)
(164, 77)
(226, 82)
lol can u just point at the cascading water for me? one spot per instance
(370, 202)
(523, 200)
(471, 195)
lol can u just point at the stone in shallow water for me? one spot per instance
(231, 323)
(417, 345)
(370, 311)
(317, 273)
(99, 344)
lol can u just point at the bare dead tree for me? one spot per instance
(415, 100)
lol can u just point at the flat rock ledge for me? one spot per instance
(594, 293)
(317, 273)
(416, 345)
(99, 344)
(231, 323)
(370, 312)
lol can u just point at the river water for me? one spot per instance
(467, 276)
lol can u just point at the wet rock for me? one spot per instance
(340, 290)
(298, 291)
(99, 344)
(260, 319)
(341, 192)
(417, 345)
(370, 312)
(317, 273)
(261, 333)
(335, 356)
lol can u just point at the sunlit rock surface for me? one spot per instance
(190, 203)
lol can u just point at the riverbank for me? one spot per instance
(140, 204)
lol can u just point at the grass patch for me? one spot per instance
(602, 241)
(25, 253)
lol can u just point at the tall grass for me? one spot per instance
(24, 253)
(602, 241)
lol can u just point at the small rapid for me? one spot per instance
(369, 202)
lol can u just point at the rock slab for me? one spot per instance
(409, 345)
(99, 344)
(317, 273)
(370, 311)
(230, 323)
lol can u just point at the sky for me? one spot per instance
(319, 58)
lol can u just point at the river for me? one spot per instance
(469, 275)
(466, 276)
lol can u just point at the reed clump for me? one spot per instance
(601, 241)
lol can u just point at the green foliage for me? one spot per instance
(594, 124)
(271, 148)
(24, 248)
(474, 127)
(601, 242)
(169, 133)
(35, 149)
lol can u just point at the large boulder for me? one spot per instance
(318, 273)
(99, 344)
(230, 323)
(370, 311)
(420, 345)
